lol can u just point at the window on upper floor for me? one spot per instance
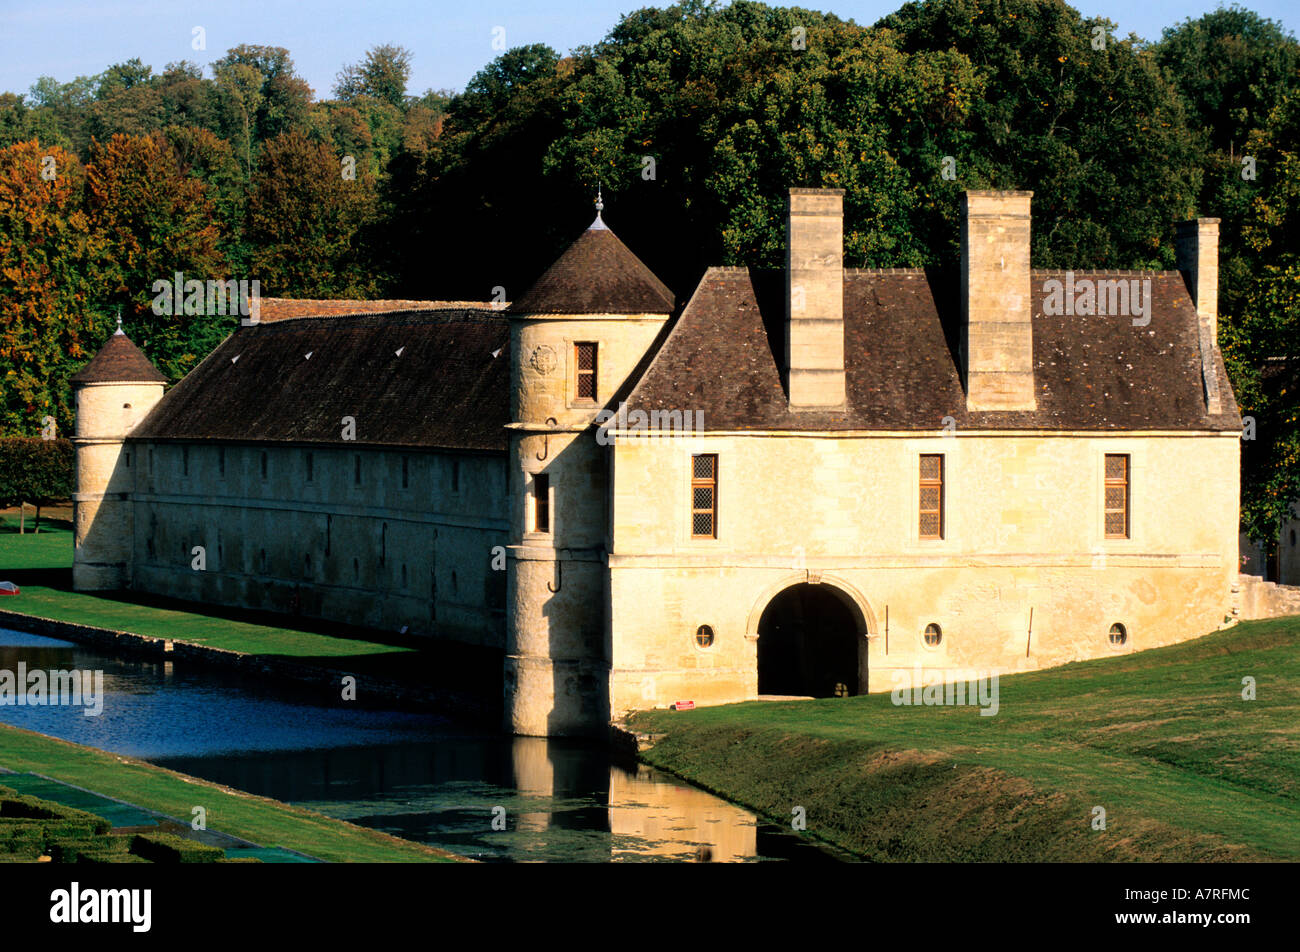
(704, 496)
(930, 509)
(584, 362)
(1116, 501)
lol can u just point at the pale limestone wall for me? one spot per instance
(557, 656)
(1260, 599)
(101, 511)
(1024, 529)
(375, 553)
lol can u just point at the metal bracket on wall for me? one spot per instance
(559, 576)
(546, 439)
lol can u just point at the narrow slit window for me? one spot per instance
(931, 499)
(406, 472)
(1117, 496)
(585, 362)
(541, 502)
(311, 468)
(264, 464)
(704, 497)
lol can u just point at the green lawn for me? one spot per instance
(41, 565)
(1185, 768)
(262, 821)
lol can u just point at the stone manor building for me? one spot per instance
(820, 481)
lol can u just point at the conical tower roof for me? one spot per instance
(596, 275)
(119, 361)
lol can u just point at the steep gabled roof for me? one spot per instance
(902, 372)
(596, 275)
(295, 381)
(119, 361)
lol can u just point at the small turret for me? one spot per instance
(575, 338)
(113, 393)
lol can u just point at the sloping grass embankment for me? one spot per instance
(1185, 768)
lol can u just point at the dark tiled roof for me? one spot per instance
(596, 275)
(901, 341)
(119, 361)
(445, 389)
(287, 309)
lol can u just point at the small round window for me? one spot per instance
(1118, 634)
(933, 635)
(704, 636)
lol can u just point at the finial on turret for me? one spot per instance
(600, 207)
(119, 324)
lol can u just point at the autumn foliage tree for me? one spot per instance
(154, 221)
(306, 218)
(50, 261)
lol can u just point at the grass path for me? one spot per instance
(1185, 768)
(263, 821)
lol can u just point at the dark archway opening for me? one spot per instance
(808, 644)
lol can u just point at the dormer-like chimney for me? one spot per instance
(814, 284)
(1196, 250)
(997, 301)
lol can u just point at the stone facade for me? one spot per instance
(899, 483)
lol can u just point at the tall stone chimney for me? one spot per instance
(814, 335)
(997, 301)
(1196, 250)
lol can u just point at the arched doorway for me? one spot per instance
(809, 643)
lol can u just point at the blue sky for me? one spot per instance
(450, 41)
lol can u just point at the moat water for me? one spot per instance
(417, 776)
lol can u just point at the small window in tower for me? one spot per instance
(1117, 496)
(541, 502)
(311, 467)
(931, 500)
(585, 361)
(704, 496)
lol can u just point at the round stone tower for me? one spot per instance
(576, 337)
(113, 393)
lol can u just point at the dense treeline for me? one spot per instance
(694, 119)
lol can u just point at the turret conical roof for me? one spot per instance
(596, 275)
(119, 361)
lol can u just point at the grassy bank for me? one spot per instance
(42, 565)
(1185, 768)
(263, 821)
